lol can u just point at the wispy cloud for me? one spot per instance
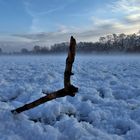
(31, 12)
(133, 18)
(39, 16)
(126, 17)
(125, 6)
(50, 11)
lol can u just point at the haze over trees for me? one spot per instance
(120, 43)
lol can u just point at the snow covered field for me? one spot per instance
(107, 106)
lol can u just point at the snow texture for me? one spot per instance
(107, 106)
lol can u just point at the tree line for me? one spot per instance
(107, 44)
(110, 43)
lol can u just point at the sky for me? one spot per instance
(25, 23)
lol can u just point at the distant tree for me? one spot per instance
(0, 50)
(44, 50)
(36, 49)
(102, 40)
(24, 51)
(59, 48)
(121, 39)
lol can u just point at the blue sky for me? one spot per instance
(27, 16)
(44, 22)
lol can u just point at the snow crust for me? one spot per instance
(107, 106)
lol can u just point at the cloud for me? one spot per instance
(125, 6)
(125, 17)
(91, 34)
(14, 43)
(102, 23)
(133, 18)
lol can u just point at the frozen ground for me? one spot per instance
(107, 106)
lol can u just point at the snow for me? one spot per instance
(107, 106)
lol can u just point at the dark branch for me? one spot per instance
(68, 90)
(69, 62)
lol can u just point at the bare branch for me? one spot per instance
(69, 62)
(68, 90)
